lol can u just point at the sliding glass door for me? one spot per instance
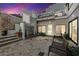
(73, 30)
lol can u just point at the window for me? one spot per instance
(49, 29)
(42, 29)
(73, 30)
(60, 29)
(39, 29)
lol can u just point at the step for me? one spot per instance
(7, 39)
(8, 42)
(2, 37)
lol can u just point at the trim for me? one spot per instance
(72, 12)
(54, 18)
(69, 6)
(37, 26)
(45, 20)
(77, 30)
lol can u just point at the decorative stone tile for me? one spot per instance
(27, 47)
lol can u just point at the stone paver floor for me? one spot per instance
(27, 47)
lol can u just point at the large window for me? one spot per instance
(73, 30)
(60, 29)
(42, 29)
(39, 29)
(49, 29)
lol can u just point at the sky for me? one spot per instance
(16, 8)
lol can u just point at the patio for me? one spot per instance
(28, 47)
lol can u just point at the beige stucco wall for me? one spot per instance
(12, 20)
(54, 22)
(73, 13)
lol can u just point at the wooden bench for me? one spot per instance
(57, 47)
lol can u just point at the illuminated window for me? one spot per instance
(49, 29)
(42, 29)
(39, 29)
(73, 30)
(60, 29)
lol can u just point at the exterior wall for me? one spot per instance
(30, 21)
(54, 23)
(34, 24)
(26, 17)
(14, 20)
(73, 13)
(17, 28)
(17, 20)
(22, 26)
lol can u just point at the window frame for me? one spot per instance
(61, 25)
(41, 28)
(76, 18)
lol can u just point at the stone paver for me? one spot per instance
(27, 47)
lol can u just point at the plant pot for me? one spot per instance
(18, 34)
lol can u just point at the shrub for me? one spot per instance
(41, 34)
(66, 36)
(75, 51)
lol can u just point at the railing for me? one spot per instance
(48, 14)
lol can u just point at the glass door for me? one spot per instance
(73, 30)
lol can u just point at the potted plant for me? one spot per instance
(66, 36)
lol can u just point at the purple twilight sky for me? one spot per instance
(15, 8)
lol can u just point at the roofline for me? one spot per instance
(52, 17)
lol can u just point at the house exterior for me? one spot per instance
(58, 19)
(53, 21)
(51, 26)
(58, 15)
(72, 11)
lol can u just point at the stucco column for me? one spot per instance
(78, 31)
(22, 30)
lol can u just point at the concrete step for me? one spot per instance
(4, 40)
(8, 42)
(7, 36)
(7, 39)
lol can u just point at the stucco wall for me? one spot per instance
(72, 16)
(11, 32)
(17, 28)
(54, 23)
(34, 24)
(26, 17)
(30, 20)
